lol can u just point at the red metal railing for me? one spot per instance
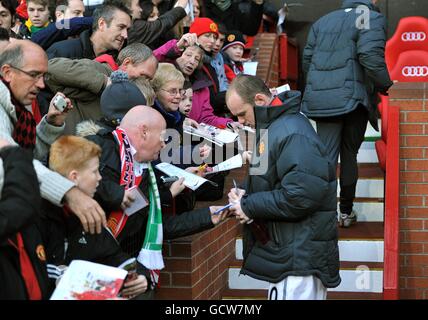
(392, 204)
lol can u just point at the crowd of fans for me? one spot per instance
(124, 72)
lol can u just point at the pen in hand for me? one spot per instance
(237, 193)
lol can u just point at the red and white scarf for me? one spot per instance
(128, 179)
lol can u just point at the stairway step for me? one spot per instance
(368, 171)
(361, 280)
(367, 153)
(236, 294)
(363, 231)
(368, 211)
(365, 238)
(344, 265)
(367, 188)
(349, 250)
(370, 133)
(357, 250)
(332, 295)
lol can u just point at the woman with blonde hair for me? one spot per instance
(168, 85)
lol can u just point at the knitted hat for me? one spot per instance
(119, 97)
(232, 38)
(203, 25)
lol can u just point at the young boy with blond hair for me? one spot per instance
(78, 160)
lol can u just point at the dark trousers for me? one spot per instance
(344, 135)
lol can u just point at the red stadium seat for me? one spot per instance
(411, 66)
(411, 34)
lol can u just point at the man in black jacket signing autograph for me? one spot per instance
(290, 194)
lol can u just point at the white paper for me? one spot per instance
(229, 164)
(189, 10)
(139, 202)
(281, 89)
(250, 68)
(211, 133)
(248, 129)
(86, 280)
(192, 181)
(282, 13)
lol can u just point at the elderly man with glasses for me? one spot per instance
(23, 65)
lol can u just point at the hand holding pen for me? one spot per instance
(235, 196)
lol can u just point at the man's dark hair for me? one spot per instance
(107, 11)
(247, 87)
(147, 9)
(222, 28)
(54, 4)
(4, 34)
(10, 5)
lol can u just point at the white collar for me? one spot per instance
(138, 166)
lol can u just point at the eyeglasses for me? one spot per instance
(33, 74)
(174, 92)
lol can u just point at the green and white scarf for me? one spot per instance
(151, 253)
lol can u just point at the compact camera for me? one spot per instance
(59, 103)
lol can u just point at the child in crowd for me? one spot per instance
(150, 11)
(38, 18)
(233, 50)
(186, 101)
(78, 160)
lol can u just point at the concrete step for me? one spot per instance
(370, 134)
(372, 231)
(349, 250)
(361, 250)
(361, 277)
(368, 171)
(368, 211)
(367, 188)
(362, 242)
(367, 153)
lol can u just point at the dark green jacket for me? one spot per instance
(344, 61)
(293, 193)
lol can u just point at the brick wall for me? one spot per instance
(267, 56)
(411, 98)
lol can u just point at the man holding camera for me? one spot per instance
(23, 65)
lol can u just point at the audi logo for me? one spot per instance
(413, 36)
(415, 71)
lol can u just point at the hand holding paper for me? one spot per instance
(138, 203)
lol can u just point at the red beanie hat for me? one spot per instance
(203, 25)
